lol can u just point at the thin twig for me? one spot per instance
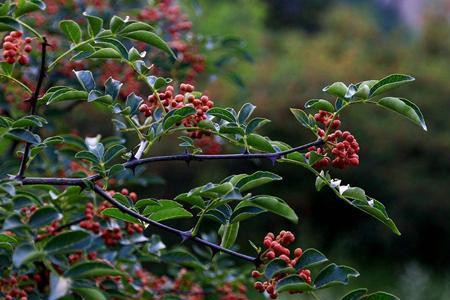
(33, 103)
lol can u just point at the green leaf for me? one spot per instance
(44, 216)
(86, 80)
(338, 89)
(95, 24)
(7, 239)
(245, 112)
(135, 26)
(24, 7)
(334, 275)
(9, 24)
(355, 294)
(272, 204)
(89, 269)
(151, 39)
(259, 142)
(320, 104)
(377, 210)
(405, 108)
(301, 117)
(193, 200)
(221, 113)
(390, 82)
(113, 152)
(112, 87)
(380, 296)
(59, 286)
(355, 193)
(314, 158)
(293, 283)
(90, 293)
(116, 23)
(245, 212)
(182, 257)
(68, 241)
(256, 179)
(106, 53)
(117, 214)
(255, 124)
(71, 30)
(89, 156)
(309, 258)
(23, 135)
(31, 120)
(25, 253)
(169, 214)
(230, 233)
(68, 96)
(277, 266)
(133, 102)
(177, 116)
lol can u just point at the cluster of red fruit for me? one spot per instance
(77, 255)
(342, 145)
(171, 19)
(18, 287)
(208, 144)
(15, 48)
(276, 249)
(229, 292)
(111, 236)
(184, 98)
(50, 230)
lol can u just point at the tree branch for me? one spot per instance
(33, 102)
(184, 235)
(188, 157)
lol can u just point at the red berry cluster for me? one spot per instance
(171, 19)
(74, 257)
(229, 292)
(342, 145)
(276, 249)
(89, 223)
(184, 98)
(18, 287)
(208, 144)
(15, 48)
(50, 230)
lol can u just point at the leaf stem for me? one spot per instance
(18, 82)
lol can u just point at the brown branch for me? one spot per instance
(33, 102)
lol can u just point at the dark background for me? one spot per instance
(298, 48)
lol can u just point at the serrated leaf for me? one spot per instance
(245, 212)
(95, 24)
(255, 123)
(230, 232)
(378, 211)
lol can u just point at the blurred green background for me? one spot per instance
(300, 46)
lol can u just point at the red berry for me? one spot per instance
(24, 60)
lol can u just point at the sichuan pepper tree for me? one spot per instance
(70, 226)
